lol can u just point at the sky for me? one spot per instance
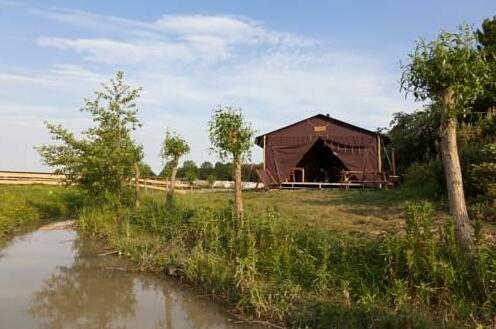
(280, 61)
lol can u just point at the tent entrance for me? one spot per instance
(320, 165)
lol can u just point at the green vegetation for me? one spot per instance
(357, 212)
(173, 148)
(23, 207)
(105, 159)
(145, 170)
(232, 136)
(313, 258)
(416, 138)
(222, 171)
(451, 73)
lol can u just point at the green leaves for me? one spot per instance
(230, 134)
(484, 173)
(173, 147)
(451, 61)
(101, 161)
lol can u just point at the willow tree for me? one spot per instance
(173, 148)
(451, 72)
(232, 136)
(102, 161)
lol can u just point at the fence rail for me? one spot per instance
(31, 178)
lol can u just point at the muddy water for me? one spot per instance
(56, 279)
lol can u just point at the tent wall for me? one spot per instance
(356, 148)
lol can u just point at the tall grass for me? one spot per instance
(307, 277)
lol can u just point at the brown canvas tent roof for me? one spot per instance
(355, 148)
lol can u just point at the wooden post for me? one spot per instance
(393, 162)
(264, 141)
(136, 184)
(379, 157)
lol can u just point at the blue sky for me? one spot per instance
(279, 60)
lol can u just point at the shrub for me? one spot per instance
(428, 176)
(419, 174)
(483, 211)
(484, 173)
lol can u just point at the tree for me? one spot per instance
(146, 170)
(223, 171)
(414, 136)
(190, 178)
(486, 37)
(189, 171)
(173, 148)
(206, 169)
(102, 161)
(211, 181)
(450, 72)
(189, 166)
(166, 170)
(232, 136)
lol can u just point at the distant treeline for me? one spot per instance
(218, 171)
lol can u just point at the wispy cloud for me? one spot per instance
(182, 39)
(60, 75)
(187, 64)
(107, 51)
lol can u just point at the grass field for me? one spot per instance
(354, 212)
(22, 207)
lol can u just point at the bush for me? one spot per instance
(483, 174)
(482, 211)
(429, 176)
(419, 174)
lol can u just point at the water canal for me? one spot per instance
(54, 278)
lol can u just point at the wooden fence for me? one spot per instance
(28, 178)
(31, 178)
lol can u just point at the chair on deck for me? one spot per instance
(292, 175)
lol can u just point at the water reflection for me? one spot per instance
(98, 292)
(91, 293)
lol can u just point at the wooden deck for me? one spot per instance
(319, 185)
(348, 179)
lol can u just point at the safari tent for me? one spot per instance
(322, 151)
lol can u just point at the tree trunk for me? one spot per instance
(170, 192)
(136, 185)
(238, 199)
(453, 173)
